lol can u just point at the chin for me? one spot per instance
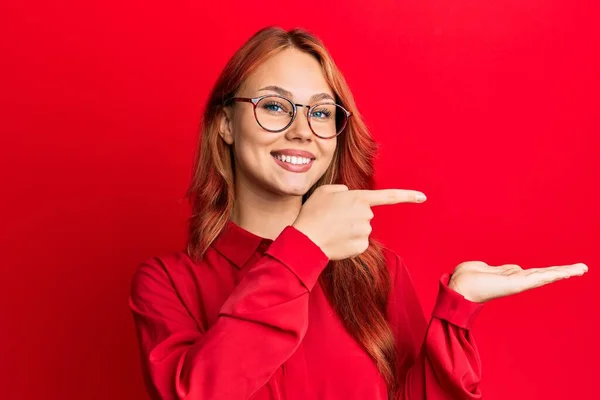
(295, 191)
(299, 189)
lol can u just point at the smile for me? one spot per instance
(293, 163)
(292, 159)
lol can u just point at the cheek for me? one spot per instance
(251, 146)
(248, 135)
(328, 150)
(249, 151)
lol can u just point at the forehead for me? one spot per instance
(291, 69)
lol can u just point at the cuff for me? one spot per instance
(300, 254)
(452, 307)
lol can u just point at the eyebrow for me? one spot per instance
(286, 93)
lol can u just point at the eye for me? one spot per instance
(322, 113)
(274, 107)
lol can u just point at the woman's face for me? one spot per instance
(256, 150)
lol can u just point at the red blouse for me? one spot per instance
(251, 322)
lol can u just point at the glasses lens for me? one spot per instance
(274, 113)
(328, 120)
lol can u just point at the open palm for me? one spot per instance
(480, 282)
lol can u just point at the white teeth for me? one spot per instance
(293, 159)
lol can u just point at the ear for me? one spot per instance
(225, 121)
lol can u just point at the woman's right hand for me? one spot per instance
(338, 220)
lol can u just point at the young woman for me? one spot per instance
(281, 294)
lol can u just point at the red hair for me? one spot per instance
(358, 287)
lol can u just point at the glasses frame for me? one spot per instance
(255, 100)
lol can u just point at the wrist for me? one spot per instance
(307, 232)
(455, 287)
(298, 226)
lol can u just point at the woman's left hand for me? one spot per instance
(479, 282)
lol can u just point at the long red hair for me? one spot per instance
(358, 287)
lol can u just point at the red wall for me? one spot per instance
(490, 108)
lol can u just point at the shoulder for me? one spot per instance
(395, 263)
(164, 263)
(401, 279)
(390, 255)
(157, 273)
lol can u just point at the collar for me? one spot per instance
(238, 245)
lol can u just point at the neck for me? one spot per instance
(264, 214)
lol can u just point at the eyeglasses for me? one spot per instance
(276, 113)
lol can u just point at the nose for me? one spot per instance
(300, 129)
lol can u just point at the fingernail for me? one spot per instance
(421, 198)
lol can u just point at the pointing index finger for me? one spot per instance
(391, 196)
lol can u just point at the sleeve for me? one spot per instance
(438, 360)
(259, 327)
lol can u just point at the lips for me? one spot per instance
(288, 166)
(294, 153)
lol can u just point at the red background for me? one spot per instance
(490, 108)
